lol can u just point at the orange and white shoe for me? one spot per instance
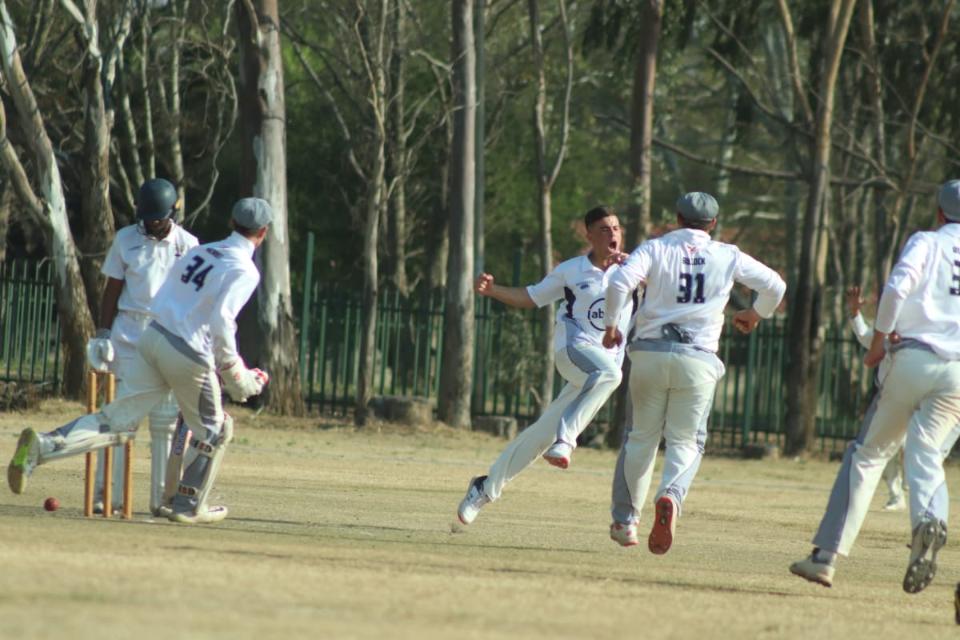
(559, 454)
(664, 526)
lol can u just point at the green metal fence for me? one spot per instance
(29, 325)
(749, 404)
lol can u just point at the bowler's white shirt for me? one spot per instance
(580, 317)
(142, 262)
(921, 299)
(688, 279)
(205, 291)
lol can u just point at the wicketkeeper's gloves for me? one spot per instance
(240, 382)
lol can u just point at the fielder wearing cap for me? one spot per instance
(949, 200)
(251, 214)
(918, 403)
(188, 343)
(686, 278)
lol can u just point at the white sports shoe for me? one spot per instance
(810, 569)
(204, 515)
(929, 536)
(24, 460)
(559, 454)
(897, 502)
(624, 534)
(472, 502)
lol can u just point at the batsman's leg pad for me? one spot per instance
(174, 466)
(163, 426)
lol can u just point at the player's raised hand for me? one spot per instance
(746, 320)
(617, 257)
(854, 301)
(484, 284)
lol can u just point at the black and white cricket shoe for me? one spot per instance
(928, 537)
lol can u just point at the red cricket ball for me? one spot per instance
(51, 504)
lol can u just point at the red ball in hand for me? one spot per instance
(51, 504)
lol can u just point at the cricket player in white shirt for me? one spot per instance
(919, 398)
(137, 263)
(189, 342)
(892, 473)
(592, 372)
(674, 369)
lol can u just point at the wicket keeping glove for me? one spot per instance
(240, 382)
(100, 351)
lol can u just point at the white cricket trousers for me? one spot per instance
(592, 374)
(671, 394)
(919, 399)
(165, 363)
(129, 327)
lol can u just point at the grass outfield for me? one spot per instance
(336, 533)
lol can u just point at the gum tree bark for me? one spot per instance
(264, 175)
(641, 118)
(48, 208)
(456, 380)
(805, 340)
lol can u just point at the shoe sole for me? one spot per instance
(921, 571)
(820, 580)
(16, 472)
(661, 536)
(560, 463)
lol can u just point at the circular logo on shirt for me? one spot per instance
(595, 314)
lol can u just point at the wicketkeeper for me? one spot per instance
(183, 349)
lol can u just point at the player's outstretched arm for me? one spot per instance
(513, 296)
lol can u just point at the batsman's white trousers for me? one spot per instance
(918, 399)
(162, 417)
(592, 374)
(165, 363)
(671, 394)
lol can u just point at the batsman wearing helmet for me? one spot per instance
(138, 262)
(190, 340)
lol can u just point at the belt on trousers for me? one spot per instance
(909, 343)
(673, 338)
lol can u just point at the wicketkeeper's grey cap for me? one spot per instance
(252, 213)
(949, 200)
(698, 206)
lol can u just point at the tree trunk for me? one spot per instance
(264, 175)
(544, 209)
(49, 209)
(6, 203)
(96, 213)
(641, 118)
(398, 153)
(456, 381)
(805, 345)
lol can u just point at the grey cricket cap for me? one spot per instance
(949, 200)
(252, 213)
(698, 206)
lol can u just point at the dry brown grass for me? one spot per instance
(339, 534)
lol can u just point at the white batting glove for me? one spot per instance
(240, 382)
(100, 351)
